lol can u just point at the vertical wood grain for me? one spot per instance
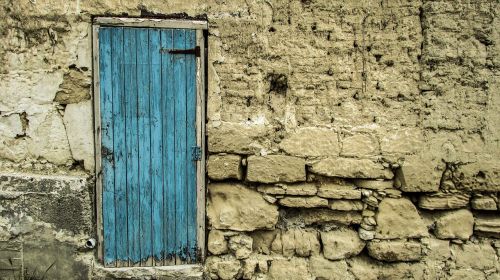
(144, 134)
(119, 151)
(157, 98)
(131, 131)
(169, 155)
(106, 105)
(179, 80)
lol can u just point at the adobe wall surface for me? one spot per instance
(346, 139)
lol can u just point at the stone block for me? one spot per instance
(191, 272)
(418, 174)
(316, 216)
(275, 168)
(341, 243)
(299, 242)
(369, 220)
(29, 91)
(351, 168)
(75, 88)
(304, 202)
(478, 256)
(14, 149)
(366, 268)
(286, 269)
(42, 253)
(402, 141)
(236, 138)
(374, 184)
(289, 189)
(359, 145)
(262, 241)
(438, 250)
(466, 274)
(398, 218)
(49, 140)
(455, 225)
(487, 224)
(335, 191)
(395, 251)
(306, 243)
(249, 267)
(11, 126)
(366, 234)
(221, 167)
(241, 245)
(479, 176)
(311, 142)
(300, 189)
(443, 201)
(392, 193)
(271, 189)
(236, 207)
(345, 205)
(487, 203)
(322, 268)
(226, 268)
(217, 243)
(80, 130)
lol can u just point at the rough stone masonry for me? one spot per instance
(346, 139)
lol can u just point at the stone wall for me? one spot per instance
(346, 139)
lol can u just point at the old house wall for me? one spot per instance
(346, 139)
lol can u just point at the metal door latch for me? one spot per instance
(196, 153)
(196, 51)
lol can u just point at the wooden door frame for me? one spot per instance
(199, 26)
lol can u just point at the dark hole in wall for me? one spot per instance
(24, 123)
(481, 175)
(389, 63)
(77, 165)
(146, 13)
(278, 83)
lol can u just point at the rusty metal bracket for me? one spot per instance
(196, 51)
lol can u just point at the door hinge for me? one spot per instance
(196, 153)
(196, 51)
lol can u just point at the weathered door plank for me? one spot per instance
(106, 105)
(144, 134)
(156, 101)
(131, 139)
(119, 151)
(179, 79)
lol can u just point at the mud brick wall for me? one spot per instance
(346, 139)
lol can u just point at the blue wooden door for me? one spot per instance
(148, 133)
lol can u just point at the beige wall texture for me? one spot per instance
(346, 139)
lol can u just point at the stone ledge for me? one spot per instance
(180, 272)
